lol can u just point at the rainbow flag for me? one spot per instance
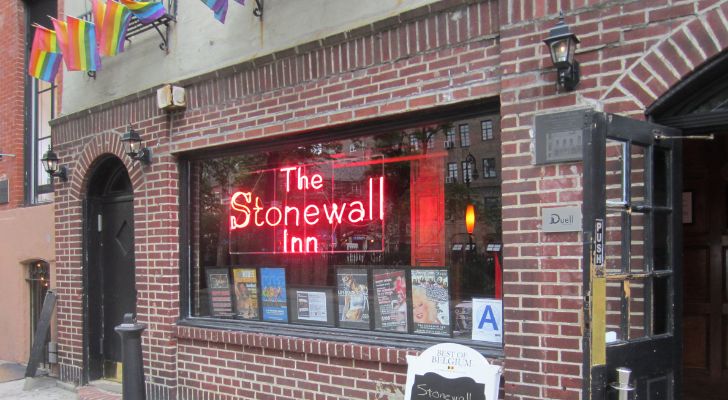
(45, 55)
(220, 8)
(113, 31)
(147, 12)
(77, 39)
(98, 10)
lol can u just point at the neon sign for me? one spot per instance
(309, 213)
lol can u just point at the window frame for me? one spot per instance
(335, 334)
(492, 172)
(464, 133)
(486, 132)
(452, 172)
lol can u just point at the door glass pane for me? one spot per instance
(635, 292)
(638, 174)
(614, 310)
(614, 180)
(661, 249)
(661, 305)
(616, 220)
(661, 184)
(637, 243)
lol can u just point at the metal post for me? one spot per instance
(131, 358)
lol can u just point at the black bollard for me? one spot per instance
(132, 385)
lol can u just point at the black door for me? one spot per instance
(110, 278)
(632, 247)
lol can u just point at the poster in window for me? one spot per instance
(312, 306)
(246, 293)
(273, 290)
(218, 287)
(430, 302)
(390, 300)
(353, 291)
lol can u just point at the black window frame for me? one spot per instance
(464, 134)
(375, 338)
(486, 128)
(490, 169)
(36, 12)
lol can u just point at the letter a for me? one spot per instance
(488, 317)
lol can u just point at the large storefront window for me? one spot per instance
(364, 233)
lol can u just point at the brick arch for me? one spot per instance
(669, 61)
(99, 145)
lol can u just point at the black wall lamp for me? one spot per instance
(133, 146)
(472, 166)
(562, 46)
(50, 165)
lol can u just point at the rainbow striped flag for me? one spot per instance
(98, 10)
(114, 24)
(77, 39)
(45, 55)
(146, 11)
(220, 8)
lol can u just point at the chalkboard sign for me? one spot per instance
(435, 386)
(451, 371)
(41, 332)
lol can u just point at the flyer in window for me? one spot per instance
(218, 287)
(431, 301)
(246, 292)
(311, 306)
(390, 304)
(353, 291)
(273, 290)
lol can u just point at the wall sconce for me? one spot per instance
(133, 146)
(50, 165)
(470, 159)
(562, 46)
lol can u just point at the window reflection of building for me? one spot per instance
(489, 170)
(452, 171)
(486, 128)
(464, 135)
(472, 269)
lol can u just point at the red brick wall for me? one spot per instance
(630, 54)
(471, 50)
(12, 102)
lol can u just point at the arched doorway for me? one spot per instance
(699, 107)
(109, 274)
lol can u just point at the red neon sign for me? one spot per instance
(308, 218)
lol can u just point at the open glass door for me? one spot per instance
(632, 246)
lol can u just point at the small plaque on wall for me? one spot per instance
(4, 192)
(558, 136)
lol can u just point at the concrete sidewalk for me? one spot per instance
(39, 388)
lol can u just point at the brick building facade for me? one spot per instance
(26, 216)
(439, 59)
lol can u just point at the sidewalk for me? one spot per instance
(42, 388)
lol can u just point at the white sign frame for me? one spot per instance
(452, 360)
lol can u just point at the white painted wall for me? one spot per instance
(199, 43)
